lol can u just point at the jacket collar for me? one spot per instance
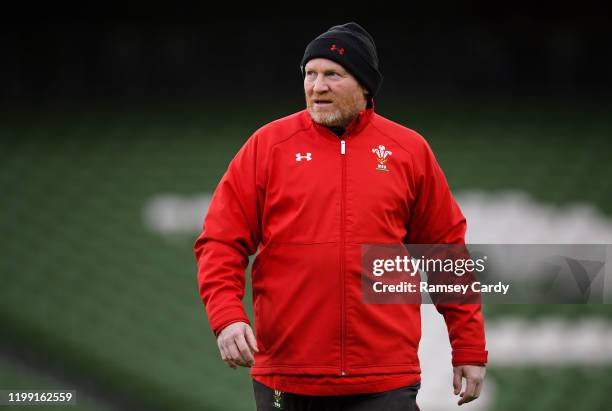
(361, 120)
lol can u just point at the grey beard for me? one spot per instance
(327, 119)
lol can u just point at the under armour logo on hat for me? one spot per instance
(338, 50)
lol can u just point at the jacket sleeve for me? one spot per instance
(437, 219)
(231, 233)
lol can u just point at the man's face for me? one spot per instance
(333, 96)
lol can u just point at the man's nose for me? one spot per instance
(320, 85)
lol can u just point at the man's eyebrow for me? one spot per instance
(328, 71)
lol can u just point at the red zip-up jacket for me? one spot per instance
(305, 201)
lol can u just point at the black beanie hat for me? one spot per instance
(351, 46)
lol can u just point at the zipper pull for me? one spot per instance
(342, 147)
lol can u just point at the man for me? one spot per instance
(305, 192)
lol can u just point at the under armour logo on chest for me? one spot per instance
(300, 157)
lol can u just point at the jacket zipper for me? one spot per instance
(342, 254)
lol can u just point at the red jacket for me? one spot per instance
(305, 201)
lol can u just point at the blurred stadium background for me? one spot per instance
(114, 135)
